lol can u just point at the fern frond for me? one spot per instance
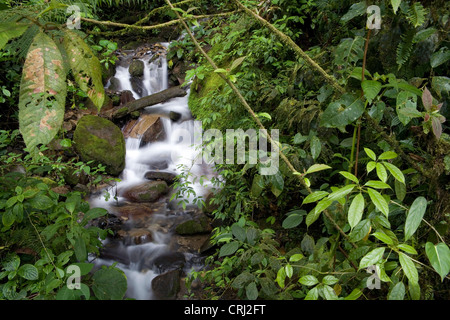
(404, 48)
(416, 14)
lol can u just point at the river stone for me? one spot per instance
(168, 261)
(136, 68)
(138, 86)
(161, 175)
(194, 226)
(149, 128)
(100, 140)
(146, 192)
(166, 286)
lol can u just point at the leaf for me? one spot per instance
(342, 112)
(416, 14)
(370, 154)
(388, 155)
(80, 249)
(42, 92)
(349, 51)
(220, 70)
(415, 215)
(289, 270)
(312, 294)
(315, 213)
(424, 34)
(396, 172)
(436, 126)
(93, 213)
(381, 172)
(377, 184)
(316, 147)
(414, 291)
(238, 232)
(407, 248)
(29, 272)
(296, 257)
(383, 237)
(400, 190)
(371, 88)
(228, 248)
(395, 4)
(11, 30)
(360, 230)
(329, 293)
(427, 99)
(397, 292)
(317, 167)
(237, 62)
(251, 291)
(440, 85)
(257, 185)
(370, 166)
(109, 284)
(439, 256)
(356, 210)
(406, 100)
(378, 201)
(409, 113)
(277, 183)
(41, 202)
(372, 258)
(315, 196)
(281, 277)
(242, 279)
(329, 280)
(292, 221)
(349, 176)
(357, 9)
(308, 280)
(342, 192)
(354, 295)
(86, 68)
(409, 268)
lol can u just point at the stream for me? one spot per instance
(153, 256)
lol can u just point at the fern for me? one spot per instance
(416, 14)
(404, 48)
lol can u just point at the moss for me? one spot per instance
(102, 141)
(192, 227)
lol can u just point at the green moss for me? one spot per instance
(102, 141)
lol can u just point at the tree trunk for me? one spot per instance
(159, 97)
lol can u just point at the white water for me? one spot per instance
(176, 149)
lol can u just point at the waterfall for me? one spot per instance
(138, 260)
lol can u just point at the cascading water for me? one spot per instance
(143, 262)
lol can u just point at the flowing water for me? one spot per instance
(159, 250)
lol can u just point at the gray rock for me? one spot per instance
(166, 286)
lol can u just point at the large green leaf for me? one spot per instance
(409, 268)
(85, 67)
(11, 30)
(372, 257)
(415, 216)
(397, 292)
(378, 201)
(109, 284)
(29, 272)
(42, 92)
(439, 256)
(356, 210)
(342, 112)
(371, 88)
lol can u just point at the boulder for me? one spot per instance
(149, 128)
(138, 86)
(166, 286)
(100, 140)
(136, 68)
(168, 177)
(146, 192)
(168, 261)
(194, 226)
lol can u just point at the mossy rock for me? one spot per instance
(136, 68)
(146, 192)
(100, 140)
(194, 226)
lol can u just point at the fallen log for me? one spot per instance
(135, 105)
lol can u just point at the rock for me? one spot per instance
(114, 84)
(167, 262)
(194, 226)
(100, 140)
(149, 128)
(161, 175)
(81, 188)
(166, 286)
(138, 86)
(174, 116)
(115, 251)
(136, 68)
(158, 165)
(147, 191)
(136, 210)
(136, 236)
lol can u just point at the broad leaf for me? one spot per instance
(292, 221)
(109, 284)
(409, 268)
(397, 292)
(317, 167)
(415, 215)
(396, 172)
(349, 176)
(372, 257)
(29, 272)
(229, 248)
(316, 147)
(315, 196)
(315, 213)
(395, 4)
(342, 192)
(378, 201)
(11, 30)
(42, 92)
(342, 112)
(308, 280)
(383, 237)
(85, 67)
(439, 256)
(356, 210)
(381, 171)
(371, 88)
